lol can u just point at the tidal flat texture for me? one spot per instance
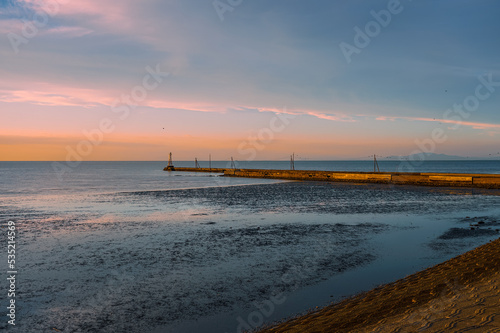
(165, 259)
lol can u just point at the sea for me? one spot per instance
(128, 247)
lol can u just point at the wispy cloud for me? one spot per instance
(475, 125)
(54, 95)
(10, 25)
(61, 96)
(67, 31)
(332, 117)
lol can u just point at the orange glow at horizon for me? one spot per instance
(116, 147)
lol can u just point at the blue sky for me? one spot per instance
(229, 78)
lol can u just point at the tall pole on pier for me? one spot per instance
(210, 161)
(292, 161)
(375, 164)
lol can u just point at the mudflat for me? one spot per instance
(461, 294)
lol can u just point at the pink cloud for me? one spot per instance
(474, 125)
(111, 16)
(8, 26)
(325, 116)
(53, 95)
(384, 118)
(58, 95)
(68, 31)
(192, 106)
(339, 116)
(463, 123)
(82, 7)
(131, 19)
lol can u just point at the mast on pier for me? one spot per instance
(375, 164)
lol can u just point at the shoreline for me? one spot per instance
(460, 293)
(491, 181)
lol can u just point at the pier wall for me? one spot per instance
(427, 179)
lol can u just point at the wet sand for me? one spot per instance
(198, 260)
(461, 294)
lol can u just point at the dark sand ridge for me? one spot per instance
(461, 294)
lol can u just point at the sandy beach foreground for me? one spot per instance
(461, 294)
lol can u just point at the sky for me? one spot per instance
(252, 79)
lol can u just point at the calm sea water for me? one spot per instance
(125, 246)
(37, 177)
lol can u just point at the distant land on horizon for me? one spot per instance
(437, 157)
(419, 156)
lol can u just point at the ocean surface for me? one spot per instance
(127, 247)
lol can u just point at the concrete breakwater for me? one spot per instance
(427, 179)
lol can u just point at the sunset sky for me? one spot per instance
(252, 79)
